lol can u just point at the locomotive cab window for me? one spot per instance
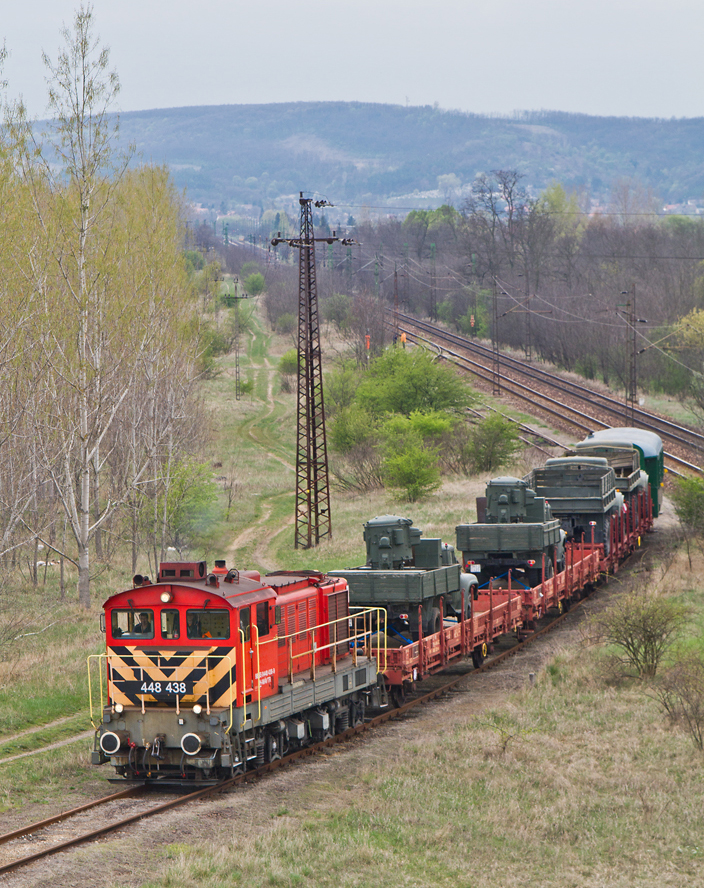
(130, 623)
(263, 618)
(169, 624)
(208, 623)
(245, 623)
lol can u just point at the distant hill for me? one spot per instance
(357, 153)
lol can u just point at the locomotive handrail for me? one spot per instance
(313, 631)
(219, 658)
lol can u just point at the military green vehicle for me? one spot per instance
(515, 529)
(649, 448)
(582, 493)
(404, 572)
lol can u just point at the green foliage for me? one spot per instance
(288, 363)
(643, 627)
(254, 284)
(407, 380)
(492, 443)
(215, 341)
(413, 470)
(337, 309)
(352, 427)
(341, 387)
(688, 498)
(480, 311)
(404, 406)
(191, 503)
(194, 261)
(286, 323)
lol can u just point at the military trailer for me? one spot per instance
(582, 493)
(404, 572)
(649, 447)
(515, 530)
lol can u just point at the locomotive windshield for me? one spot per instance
(208, 623)
(132, 623)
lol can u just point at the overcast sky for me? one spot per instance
(641, 58)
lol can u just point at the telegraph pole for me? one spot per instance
(313, 521)
(496, 355)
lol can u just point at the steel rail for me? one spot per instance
(532, 395)
(668, 428)
(41, 824)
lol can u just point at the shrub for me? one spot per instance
(288, 363)
(643, 627)
(286, 323)
(492, 443)
(681, 694)
(352, 427)
(254, 284)
(404, 380)
(413, 470)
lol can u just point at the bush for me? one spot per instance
(352, 427)
(643, 627)
(254, 284)
(681, 694)
(286, 323)
(413, 470)
(492, 443)
(688, 498)
(288, 363)
(407, 380)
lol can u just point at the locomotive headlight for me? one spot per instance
(197, 709)
(119, 708)
(166, 597)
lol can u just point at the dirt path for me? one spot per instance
(59, 743)
(261, 530)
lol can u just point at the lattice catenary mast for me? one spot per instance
(313, 521)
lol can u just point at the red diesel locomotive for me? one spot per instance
(205, 672)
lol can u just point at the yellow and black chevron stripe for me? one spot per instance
(159, 676)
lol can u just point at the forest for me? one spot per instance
(99, 340)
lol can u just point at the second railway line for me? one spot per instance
(549, 393)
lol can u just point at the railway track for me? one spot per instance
(587, 408)
(114, 821)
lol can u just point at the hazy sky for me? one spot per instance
(610, 57)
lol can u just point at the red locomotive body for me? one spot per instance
(205, 672)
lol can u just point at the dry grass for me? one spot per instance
(593, 788)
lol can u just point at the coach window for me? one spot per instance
(263, 618)
(169, 624)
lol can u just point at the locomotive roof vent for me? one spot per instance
(182, 570)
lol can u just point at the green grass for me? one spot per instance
(595, 789)
(50, 733)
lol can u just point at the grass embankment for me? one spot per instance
(593, 788)
(43, 683)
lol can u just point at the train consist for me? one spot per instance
(207, 674)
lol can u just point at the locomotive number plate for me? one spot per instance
(161, 689)
(156, 688)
